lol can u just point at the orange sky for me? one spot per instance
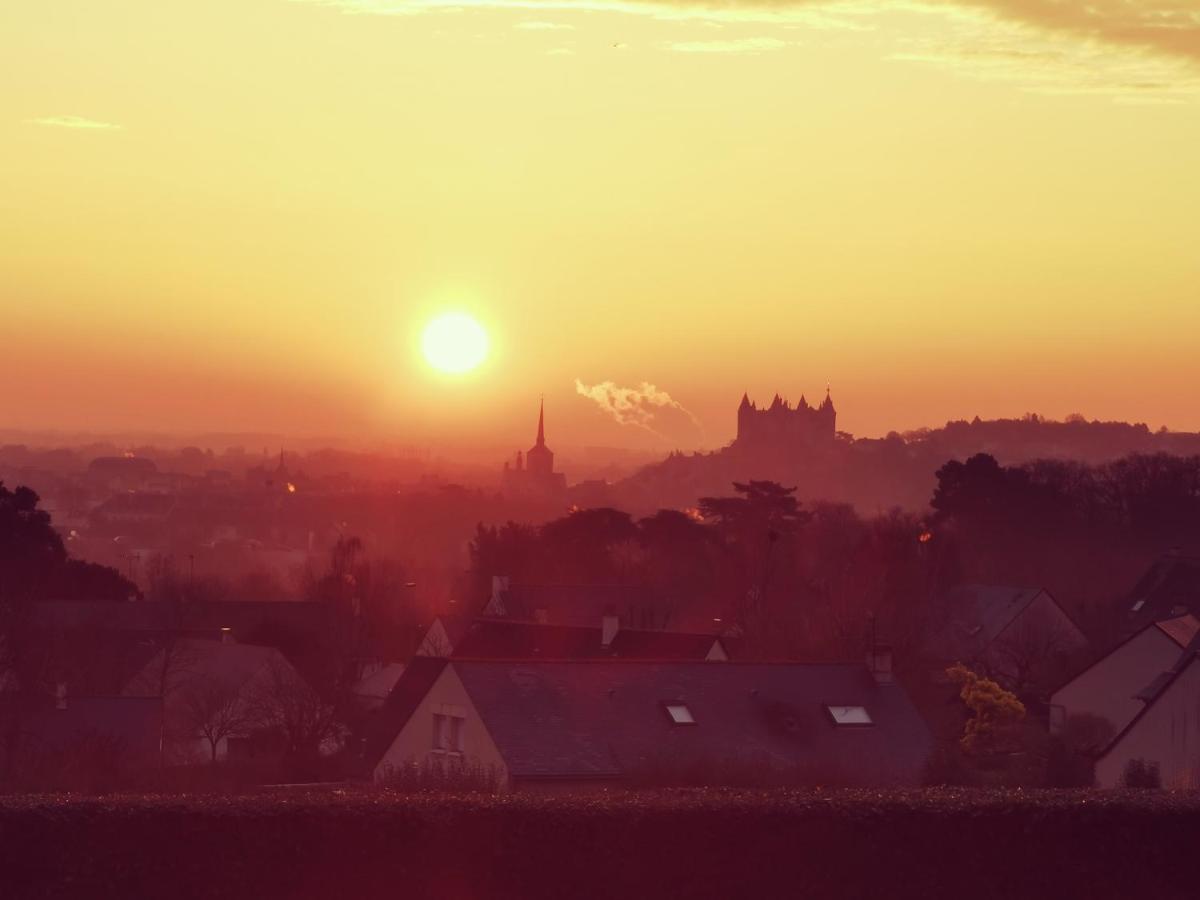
(239, 214)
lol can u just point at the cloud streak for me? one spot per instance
(76, 122)
(1164, 26)
(644, 406)
(738, 45)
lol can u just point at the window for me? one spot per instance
(447, 733)
(849, 715)
(1137, 606)
(680, 714)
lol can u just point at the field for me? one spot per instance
(354, 845)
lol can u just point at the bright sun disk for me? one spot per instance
(454, 343)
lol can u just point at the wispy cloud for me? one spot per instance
(644, 406)
(1167, 26)
(560, 51)
(78, 122)
(1171, 26)
(544, 26)
(738, 45)
(1042, 62)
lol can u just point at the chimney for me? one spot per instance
(879, 662)
(610, 624)
(60, 695)
(226, 635)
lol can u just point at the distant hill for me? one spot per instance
(897, 470)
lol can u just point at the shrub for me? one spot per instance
(1143, 774)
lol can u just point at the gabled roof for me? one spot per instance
(977, 614)
(199, 661)
(505, 639)
(1182, 631)
(1171, 584)
(407, 694)
(604, 719)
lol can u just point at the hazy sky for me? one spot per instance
(239, 214)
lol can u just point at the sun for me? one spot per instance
(454, 342)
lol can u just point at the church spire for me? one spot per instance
(541, 438)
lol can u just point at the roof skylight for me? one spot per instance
(849, 715)
(680, 714)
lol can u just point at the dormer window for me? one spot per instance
(849, 715)
(1137, 606)
(679, 714)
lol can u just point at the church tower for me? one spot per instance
(539, 461)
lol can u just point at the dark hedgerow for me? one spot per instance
(827, 845)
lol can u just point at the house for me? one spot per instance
(1109, 687)
(580, 725)
(1014, 634)
(75, 733)
(216, 695)
(1165, 732)
(506, 639)
(1170, 588)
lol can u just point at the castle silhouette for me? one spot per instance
(534, 472)
(781, 426)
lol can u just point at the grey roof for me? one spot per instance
(1170, 587)
(197, 661)
(597, 719)
(976, 614)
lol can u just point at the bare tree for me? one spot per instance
(215, 710)
(285, 702)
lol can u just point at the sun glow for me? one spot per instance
(454, 343)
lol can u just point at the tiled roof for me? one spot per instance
(607, 718)
(504, 639)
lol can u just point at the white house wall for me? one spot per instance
(1168, 734)
(1108, 688)
(414, 743)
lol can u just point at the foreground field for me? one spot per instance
(353, 845)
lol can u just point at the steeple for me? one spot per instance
(541, 438)
(745, 400)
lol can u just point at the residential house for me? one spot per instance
(76, 735)
(1018, 635)
(580, 724)
(1109, 688)
(216, 695)
(1165, 732)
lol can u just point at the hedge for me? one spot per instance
(816, 845)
